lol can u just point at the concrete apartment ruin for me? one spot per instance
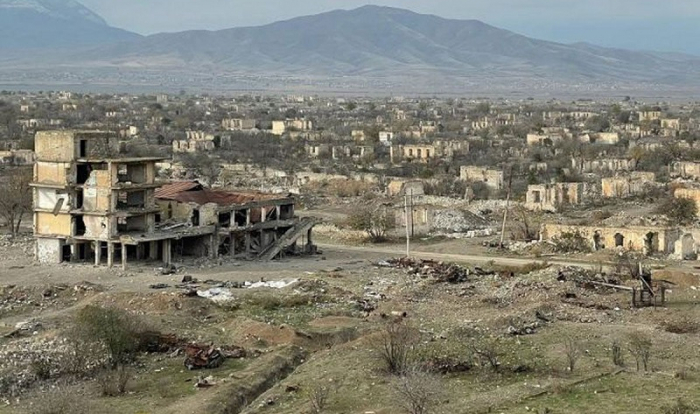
(90, 203)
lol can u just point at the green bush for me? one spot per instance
(114, 330)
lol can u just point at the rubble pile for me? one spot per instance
(440, 271)
(454, 221)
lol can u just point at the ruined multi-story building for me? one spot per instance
(91, 203)
(87, 198)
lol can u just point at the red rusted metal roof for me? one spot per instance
(193, 192)
(172, 189)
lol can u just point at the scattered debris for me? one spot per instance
(203, 382)
(159, 286)
(442, 272)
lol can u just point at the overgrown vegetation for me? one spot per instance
(680, 210)
(571, 242)
(375, 221)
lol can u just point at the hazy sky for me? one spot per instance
(670, 25)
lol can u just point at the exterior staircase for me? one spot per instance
(290, 237)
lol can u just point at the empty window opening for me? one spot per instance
(195, 217)
(66, 253)
(619, 240)
(240, 218)
(83, 148)
(225, 219)
(80, 227)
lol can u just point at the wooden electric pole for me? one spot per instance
(505, 213)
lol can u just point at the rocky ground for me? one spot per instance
(306, 332)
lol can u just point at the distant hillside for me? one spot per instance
(373, 47)
(32, 24)
(385, 41)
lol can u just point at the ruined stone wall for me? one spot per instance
(641, 239)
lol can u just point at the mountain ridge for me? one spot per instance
(46, 24)
(385, 43)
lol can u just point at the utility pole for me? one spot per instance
(408, 232)
(505, 213)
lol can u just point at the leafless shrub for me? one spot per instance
(640, 346)
(113, 381)
(416, 391)
(486, 350)
(616, 354)
(396, 347)
(572, 352)
(318, 398)
(59, 401)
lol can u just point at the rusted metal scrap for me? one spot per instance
(208, 357)
(203, 357)
(441, 271)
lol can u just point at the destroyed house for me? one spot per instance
(247, 224)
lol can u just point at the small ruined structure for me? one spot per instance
(626, 185)
(90, 203)
(603, 165)
(492, 178)
(685, 169)
(550, 197)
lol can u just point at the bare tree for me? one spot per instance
(640, 347)
(15, 197)
(395, 347)
(416, 391)
(572, 352)
(375, 221)
(487, 351)
(616, 353)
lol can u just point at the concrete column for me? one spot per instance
(247, 217)
(110, 254)
(279, 212)
(247, 243)
(74, 252)
(232, 247)
(309, 241)
(263, 214)
(98, 253)
(167, 252)
(123, 256)
(213, 246)
(153, 251)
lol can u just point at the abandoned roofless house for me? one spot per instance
(92, 204)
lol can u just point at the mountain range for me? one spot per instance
(41, 24)
(371, 42)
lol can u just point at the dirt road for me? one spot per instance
(391, 251)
